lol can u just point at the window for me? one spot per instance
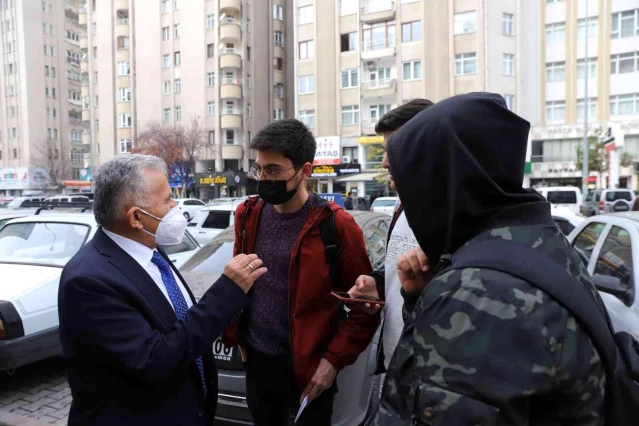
(47, 92)
(306, 84)
(305, 15)
(15, 153)
(211, 137)
(592, 68)
(555, 112)
(123, 42)
(278, 114)
(249, 109)
(555, 33)
(412, 31)
(592, 109)
(615, 257)
(53, 72)
(279, 38)
(373, 156)
(412, 70)
(166, 34)
(12, 111)
(510, 101)
(124, 121)
(278, 64)
(210, 50)
(166, 88)
(248, 53)
(278, 12)
(178, 58)
(625, 24)
(166, 8)
(166, 116)
(230, 138)
(507, 24)
(377, 111)
(278, 90)
(55, 134)
(46, 50)
(591, 23)
(465, 63)
(379, 36)
(176, 31)
(347, 7)
(555, 71)
(308, 118)
(350, 115)
(508, 64)
(624, 104)
(211, 109)
(55, 113)
(166, 61)
(306, 49)
(210, 22)
(349, 42)
(178, 113)
(626, 63)
(125, 146)
(465, 23)
(124, 68)
(210, 79)
(350, 78)
(176, 5)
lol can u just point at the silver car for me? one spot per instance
(355, 382)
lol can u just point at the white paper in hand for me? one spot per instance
(302, 407)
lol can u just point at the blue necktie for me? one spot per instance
(177, 299)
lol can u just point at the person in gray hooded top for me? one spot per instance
(479, 346)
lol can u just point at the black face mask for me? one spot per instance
(275, 192)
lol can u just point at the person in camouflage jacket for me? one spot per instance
(481, 347)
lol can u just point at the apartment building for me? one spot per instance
(356, 60)
(226, 62)
(40, 104)
(598, 39)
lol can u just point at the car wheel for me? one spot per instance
(186, 215)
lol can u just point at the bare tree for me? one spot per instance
(47, 157)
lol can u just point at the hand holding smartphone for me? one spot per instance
(348, 299)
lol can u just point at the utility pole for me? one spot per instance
(585, 149)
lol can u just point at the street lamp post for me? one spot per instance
(585, 149)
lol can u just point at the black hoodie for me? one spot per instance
(459, 168)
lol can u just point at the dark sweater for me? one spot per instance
(265, 326)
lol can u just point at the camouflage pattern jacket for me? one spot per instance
(481, 347)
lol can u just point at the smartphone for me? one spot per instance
(347, 298)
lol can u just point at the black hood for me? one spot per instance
(459, 168)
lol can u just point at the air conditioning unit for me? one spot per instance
(346, 159)
(370, 65)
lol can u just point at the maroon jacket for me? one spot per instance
(316, 330)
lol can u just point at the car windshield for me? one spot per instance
(562, 197)
(41, 243)
(618, 195)
(187, 244)
(383, 203)
(15, 203)
(212, 258)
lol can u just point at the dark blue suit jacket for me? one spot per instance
(129, 360)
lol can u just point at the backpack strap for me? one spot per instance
(328, 232)
(544, 273)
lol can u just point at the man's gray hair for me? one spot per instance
(120, 182)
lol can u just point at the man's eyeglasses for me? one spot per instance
(269, 174)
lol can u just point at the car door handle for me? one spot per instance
(173, 260)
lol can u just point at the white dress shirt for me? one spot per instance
(143, 255)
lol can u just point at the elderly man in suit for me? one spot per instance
(138, 347)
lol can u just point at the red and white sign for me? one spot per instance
(328, 150)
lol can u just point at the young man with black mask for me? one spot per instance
(292, 338)
(481, 345)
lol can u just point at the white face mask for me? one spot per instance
(171, 228)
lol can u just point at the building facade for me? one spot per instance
(40, 102)
(356, 60)
(597, 39)
(225, 62)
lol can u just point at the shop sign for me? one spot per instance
(221, 179)
(328, 150)
(335, 171)
(212, 180)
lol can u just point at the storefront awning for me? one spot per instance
(359, 177)
(76, 183)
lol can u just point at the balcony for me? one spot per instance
(231, 89)
(377, 49)
(379, 88)
(278, 77)
(74, 77)
(76, 102)
(84, 42)
(86, 115)
(232, 152)
(227, 6)
(230, 58)
(76, 122)
(231, 119)
(122, 28)
(82, 17)
(84, 65)
(121, 4)
(368, 126)
(230, 30)
(377, 11)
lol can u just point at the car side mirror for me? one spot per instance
(612, 285)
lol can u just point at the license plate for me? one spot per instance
(221, 352)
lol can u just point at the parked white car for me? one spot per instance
(566, 219)
(71, 198)
(212, 220)
(190, 206)
(33, 251)
(384, 205)
(609, 245)
(569, 197)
